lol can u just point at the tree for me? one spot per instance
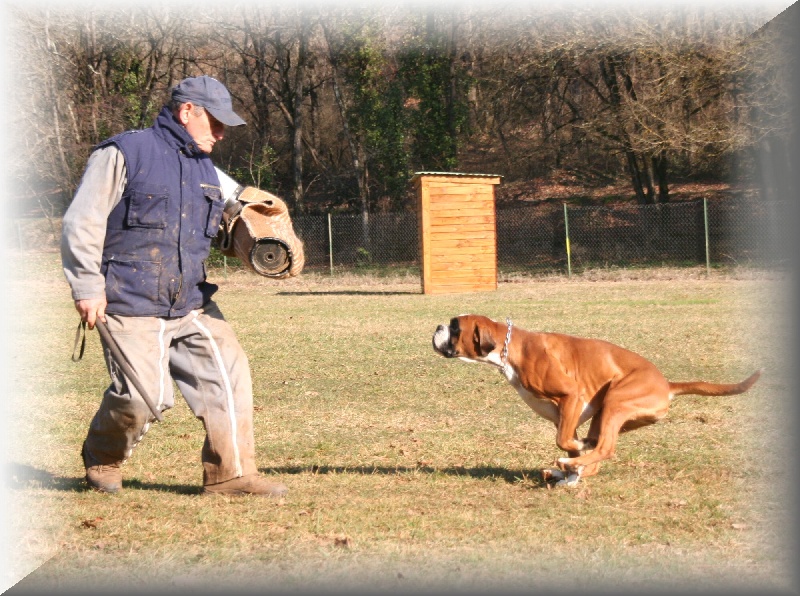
(91, 76)
(436, 87)
(345, 102)
(369, 96)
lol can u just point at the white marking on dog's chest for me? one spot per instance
(494, 358)
(544, 408)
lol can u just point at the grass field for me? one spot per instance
(408, 471)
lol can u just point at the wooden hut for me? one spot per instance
(458, 239)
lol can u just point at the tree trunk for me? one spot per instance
(452, 94)
(297, 119)
(355, 152)
(55, 123)
(650, 181)
(636, 176)
(660, 168)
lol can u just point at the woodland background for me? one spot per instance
(344, 102)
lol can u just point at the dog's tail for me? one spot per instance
(704, 388)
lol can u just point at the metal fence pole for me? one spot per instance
(566, 233)
(705, 223)
(330, 241)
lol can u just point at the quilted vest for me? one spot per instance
(159, 234)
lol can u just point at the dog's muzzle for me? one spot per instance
(441, 342)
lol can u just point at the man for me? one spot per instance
(134, 243)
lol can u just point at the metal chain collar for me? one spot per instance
(504, 356)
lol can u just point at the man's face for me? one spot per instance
(203, 127)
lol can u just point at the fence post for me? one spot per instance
(566, 233)
(330, 241)
(705, 223)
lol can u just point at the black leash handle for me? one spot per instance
(80, 340)
(120, 359)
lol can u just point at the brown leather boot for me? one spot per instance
(104, 478)
(252, 484)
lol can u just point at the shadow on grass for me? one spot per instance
(531, 477)
(24, 477)
(349, 293)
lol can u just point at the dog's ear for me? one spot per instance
(484, 342)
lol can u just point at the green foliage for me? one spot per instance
(436, 88)
(408, 109)
(260, 169)
(129, 80)
(217, 260)
(376, 114)
(363, 257)
(696, 96)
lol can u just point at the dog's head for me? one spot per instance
(468, 337)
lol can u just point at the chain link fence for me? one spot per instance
(546, 238)
(350, 241)
(533, 239)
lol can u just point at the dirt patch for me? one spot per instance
(568, 188)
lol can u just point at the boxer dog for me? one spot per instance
(569, 380)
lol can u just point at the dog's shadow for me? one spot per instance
(348, 293)
(18, 477)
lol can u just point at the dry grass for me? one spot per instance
(407, 471)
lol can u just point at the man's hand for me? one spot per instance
(92, 309)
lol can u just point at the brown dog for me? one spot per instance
(569, 380)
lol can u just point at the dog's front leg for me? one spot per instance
(570, 409)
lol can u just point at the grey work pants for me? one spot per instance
(201, 354)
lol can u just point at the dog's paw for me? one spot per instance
(552, 474)
(567, 464)
(561, 478)
(570, 481)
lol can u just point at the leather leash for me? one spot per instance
(119, 358)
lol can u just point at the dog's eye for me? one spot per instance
(455, 329)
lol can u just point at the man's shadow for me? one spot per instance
(25, 477)
(531, 477)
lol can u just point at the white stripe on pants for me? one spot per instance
(201, 354)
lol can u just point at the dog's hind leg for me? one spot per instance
(561, 477)
(589, 443)
(621, 412)
(605, 448)
(589, 470)
(570, 477)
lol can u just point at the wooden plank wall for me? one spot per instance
(458, 233)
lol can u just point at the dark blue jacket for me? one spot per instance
(159, 235)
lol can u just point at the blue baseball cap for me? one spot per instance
(211, 94)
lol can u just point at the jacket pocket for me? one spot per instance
(216, 206)
(134, 283)
(147, 209)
